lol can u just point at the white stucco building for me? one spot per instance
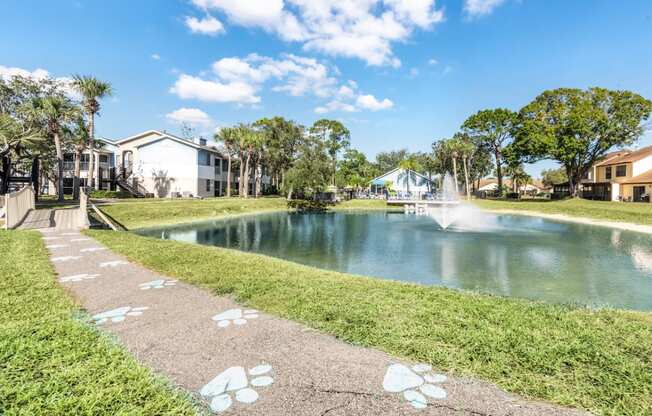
(159, 164)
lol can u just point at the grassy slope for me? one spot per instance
(636, 213)
(52, 361)
(155, 212)
(599, 360)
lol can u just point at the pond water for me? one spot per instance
(507, 255)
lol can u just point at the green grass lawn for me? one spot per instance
(154, 212)
(53, 361)
(636, 213)
(598, 360)
(142, 213)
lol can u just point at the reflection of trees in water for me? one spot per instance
(554, 262)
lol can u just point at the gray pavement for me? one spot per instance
(243, 362)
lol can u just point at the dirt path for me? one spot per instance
(242, 362)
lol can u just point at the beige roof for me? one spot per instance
(642, 178)
(628, 157)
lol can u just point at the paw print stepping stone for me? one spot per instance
(416, 383)
(157, 284)
(235, 380)
(235, 316)
(118, 314)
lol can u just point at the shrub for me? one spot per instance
(308, 205)
(102, 194)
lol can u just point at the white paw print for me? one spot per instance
(399, 378)
(119, 314)
(235, 380)
(51, 246)
(157, 284)
(237, 316)
(114, 263)
(78, 277)
(65, 258)
(92, 249)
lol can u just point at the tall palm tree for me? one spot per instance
(78, 136)
(92, 90)
(228, 136)
(410, 166)
(54, 111)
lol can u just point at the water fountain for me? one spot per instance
(447, 208)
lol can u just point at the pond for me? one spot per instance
(506, 255)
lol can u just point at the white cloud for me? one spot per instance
(369, 102)
(155, 56)
(432, 61)
(192, 116)
(189, 87)
(414, 72)
(241, 79)
(206, 26)
(363, 29)
(7, 73)
(478, 8)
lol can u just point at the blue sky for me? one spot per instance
(398, 74)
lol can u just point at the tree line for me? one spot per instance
(40, 120)
(575, 127)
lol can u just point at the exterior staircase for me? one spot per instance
(129, 184)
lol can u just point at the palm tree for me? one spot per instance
(78, 135)
(228, 136)
(55, 111)
(91, 89)
(14, 135)
(409, 165)
(463, 148)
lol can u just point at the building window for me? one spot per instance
(204, 158)
(208, 185)
(104, 158)
(621, 171)
(607, 172)
(84, 161)
(202, 142)
(68, 162)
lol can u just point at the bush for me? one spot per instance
(110, 194)
(309, 205)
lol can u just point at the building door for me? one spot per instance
(638, 193)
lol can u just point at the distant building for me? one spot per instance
(490, 185)
(624, 177)
(157, 164)
(402, 181)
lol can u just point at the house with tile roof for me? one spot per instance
(622, 176)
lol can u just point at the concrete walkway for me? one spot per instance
(243, 362)
(59, 219)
